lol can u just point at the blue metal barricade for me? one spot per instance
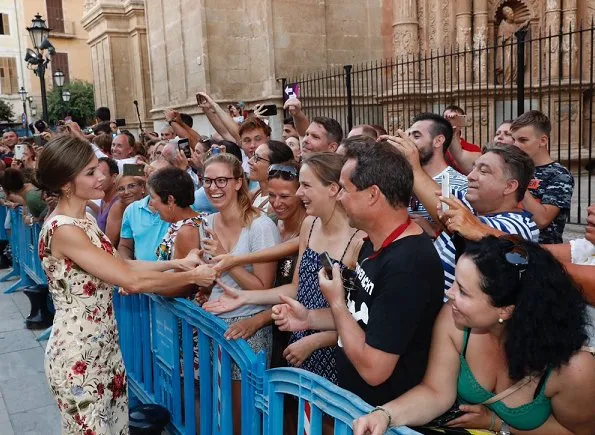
(160, 339)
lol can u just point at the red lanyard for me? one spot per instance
(391, 238)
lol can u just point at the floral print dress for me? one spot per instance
(83, 362)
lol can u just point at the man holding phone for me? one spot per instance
(385, 326)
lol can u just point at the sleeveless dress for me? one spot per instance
(165, 250)
(83, 362)
(321, 361)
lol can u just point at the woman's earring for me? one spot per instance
(500, 320)
(67, 193)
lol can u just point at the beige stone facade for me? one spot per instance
(241, 49)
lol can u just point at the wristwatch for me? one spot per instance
(504, 429)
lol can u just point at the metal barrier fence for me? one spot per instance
(159, 337)
(551, 72)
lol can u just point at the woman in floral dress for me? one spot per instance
(83, 361)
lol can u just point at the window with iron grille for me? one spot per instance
(60, 63)
(55, 15)
(8, 76)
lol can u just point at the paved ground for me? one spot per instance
(26, 404)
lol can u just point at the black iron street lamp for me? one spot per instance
(23, 95)
(39, 33)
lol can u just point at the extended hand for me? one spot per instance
(193, 259)
(290, 315)
(245, 329)
(230, 300)
(204, 275)
(222, 263)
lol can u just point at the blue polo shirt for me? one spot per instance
(144, 227)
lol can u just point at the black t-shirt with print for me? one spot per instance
(553, 184)
(395, 299)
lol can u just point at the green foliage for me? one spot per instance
(6, 113)
(81, 105)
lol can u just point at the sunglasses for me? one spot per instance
(517, 256)
(284, 171)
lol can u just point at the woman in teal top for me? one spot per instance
(513, 328)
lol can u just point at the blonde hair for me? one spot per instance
(248, 211)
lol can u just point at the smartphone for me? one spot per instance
(449, 415)
(202, 230)
(39, 141)
(445, 184)
(19, 151)
(120, 122)
(327, 263)
(215, 150)
(184, 146)
(134, 170)
(269, 110)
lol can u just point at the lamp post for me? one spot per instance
(35, 59)
(23, 95)
(59, 82)
(66, 99)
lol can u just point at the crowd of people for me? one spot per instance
(456, 307)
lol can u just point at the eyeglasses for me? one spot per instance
(130, 186)
(220, 182)
(279, 170)
(257, 159)
(517, 255)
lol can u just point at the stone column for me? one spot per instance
(480, 35)
(406, 40)
(553, 12)
(119, 56)
(463, 26)
(569, 42)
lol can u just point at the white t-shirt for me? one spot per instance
(583, 252)
(261, 234)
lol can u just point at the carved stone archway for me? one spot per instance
(495, 7)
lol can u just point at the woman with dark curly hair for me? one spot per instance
(507, 347)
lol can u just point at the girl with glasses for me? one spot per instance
(326, 229)
(238, 228)
(265, 155)
(507, 349)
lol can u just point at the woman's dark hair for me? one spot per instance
(279, 152)
(111, 164)
(62, 159)
(104, 142)
(13, 180)
(548, 324)
(326, 166)
(174, 182)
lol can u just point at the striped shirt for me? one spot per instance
(520, 223)
(457, 182)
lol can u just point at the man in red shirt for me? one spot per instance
(456, 116)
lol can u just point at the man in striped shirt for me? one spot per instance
(489, 206)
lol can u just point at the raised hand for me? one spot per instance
(459, 219)
(212, 245)
(223, 263)
(293, 105)
(193, 259)
(205, 275)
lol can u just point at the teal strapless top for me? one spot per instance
(525, 417)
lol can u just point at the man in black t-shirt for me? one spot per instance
(385, 326)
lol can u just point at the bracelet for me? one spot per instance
(492, 422)
(386, 413)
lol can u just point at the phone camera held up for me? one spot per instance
(183, 145)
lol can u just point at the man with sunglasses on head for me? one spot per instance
(489, 205)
